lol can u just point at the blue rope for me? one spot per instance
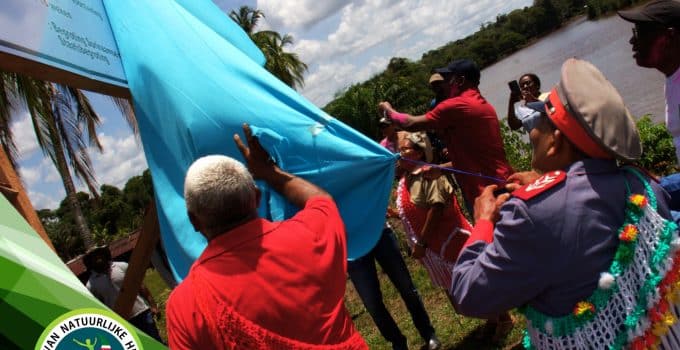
(453, 170)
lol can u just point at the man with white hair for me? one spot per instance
(261, 284)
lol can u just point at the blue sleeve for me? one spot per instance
(489, 279)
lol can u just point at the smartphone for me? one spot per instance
(499, 191)
(514, 87)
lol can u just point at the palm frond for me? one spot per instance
(37, 96)
(85, 113)
(125, 108)
(70, 134)
(7, 86)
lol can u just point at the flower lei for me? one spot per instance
(657, 294)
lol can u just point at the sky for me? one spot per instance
(343, 43)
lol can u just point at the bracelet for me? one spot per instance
(400, 118)
(421, 243)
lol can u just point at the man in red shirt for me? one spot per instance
(469, 127)
(261, 284)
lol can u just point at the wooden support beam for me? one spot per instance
(139, 261)
(16, 194)
(37, 70)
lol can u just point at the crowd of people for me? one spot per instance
(585, 245)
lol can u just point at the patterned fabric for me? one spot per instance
(444, 245)
(636, 303)
(233, 331)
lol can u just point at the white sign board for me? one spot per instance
(70, 35)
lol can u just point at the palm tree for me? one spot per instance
(284, 65)
(63, 120)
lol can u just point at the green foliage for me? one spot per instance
(286, 66)
(114, 214)
(357, 105)
(658, 151)
(517, 150)
(597, 8)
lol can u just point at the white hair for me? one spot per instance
(219, 191)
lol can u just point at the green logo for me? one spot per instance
(88, 329)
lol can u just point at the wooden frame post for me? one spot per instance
(13, 189)
(139, 261)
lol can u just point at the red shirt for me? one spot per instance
(282, 281)
(468, 125)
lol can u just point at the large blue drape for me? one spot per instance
(195, 77)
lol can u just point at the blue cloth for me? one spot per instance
(671, 184)
(194, 83)
(364, 276)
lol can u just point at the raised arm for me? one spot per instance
(296, 190)
(405, 121)
(513, 122)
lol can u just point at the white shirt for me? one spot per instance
(673, 109)
(107, 289)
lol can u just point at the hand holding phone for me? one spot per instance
(514, 87)
(499, 191)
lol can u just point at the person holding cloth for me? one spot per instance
(584, 247)
(467, 124)
(261, 284)
(434, 223)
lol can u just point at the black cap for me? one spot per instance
(664, 12)
(464, 67)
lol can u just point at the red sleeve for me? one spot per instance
(446, 114)
(318, 213)
(483, 231)
(321, 218)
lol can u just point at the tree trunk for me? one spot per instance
(65, 174)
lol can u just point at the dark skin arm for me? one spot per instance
(432, 219)
(513, 122)
(146, 294)
(296, 190)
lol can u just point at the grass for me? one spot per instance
(454, 331)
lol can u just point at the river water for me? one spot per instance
(604, 43)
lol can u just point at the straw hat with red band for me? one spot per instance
(586, 107)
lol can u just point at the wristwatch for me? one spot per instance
(421, 243)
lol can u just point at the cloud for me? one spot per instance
(121, 159)
(340, 76)
(30, 176)
(24, 135)
(41, 200)
(397, 29)
(298, 13)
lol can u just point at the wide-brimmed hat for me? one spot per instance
(420, 138)
(435, 78)
(590, 112)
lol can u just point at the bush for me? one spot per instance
(658, 151)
